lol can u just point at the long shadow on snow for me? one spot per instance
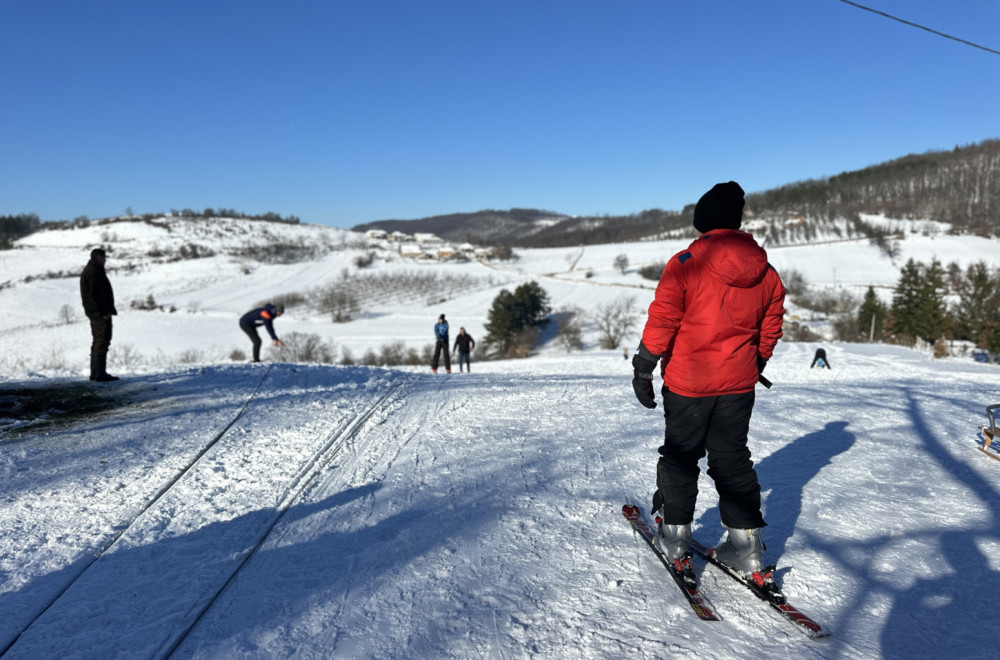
(200, 562)
(329, 564)
(786, 473)
(73, 454)
(940, 616)
(935, 617)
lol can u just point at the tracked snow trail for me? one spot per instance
(172, 560)
(68, 493)
(473, 522)
(481, 519)
(479, 516)
(434, 536)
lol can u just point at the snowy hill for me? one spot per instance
(202, 275)
(204, 508)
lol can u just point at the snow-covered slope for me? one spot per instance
(317, 511)
(214, 509)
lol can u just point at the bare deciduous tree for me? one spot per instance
(615, 320)
(621, 262)
(307, 347)
(67, 314)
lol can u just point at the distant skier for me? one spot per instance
(441, 345)
(99, 305)
(464, 343)
(261, 316)
(714, 322)
(820, 360)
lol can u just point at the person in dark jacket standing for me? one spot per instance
(441, 345)
(99, 306)
(261, 316)
(820, 359)
(464, 343)
(713, 324)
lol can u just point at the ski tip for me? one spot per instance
(630, 511)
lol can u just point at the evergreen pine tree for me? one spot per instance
(510, 313)
(934, 321)
(872, 310)
(531, 306)
(499, 322)
(975, 313)
(906, 301)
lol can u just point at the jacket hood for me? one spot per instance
(733, 257)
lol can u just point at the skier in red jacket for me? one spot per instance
(713, 324)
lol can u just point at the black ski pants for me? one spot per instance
(254, 338)
(439, 347)
(100, 334)
(717, 425)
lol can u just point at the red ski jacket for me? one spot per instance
(719, 305)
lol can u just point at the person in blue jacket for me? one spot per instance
(441, 344)
(261, 316)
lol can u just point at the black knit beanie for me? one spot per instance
(720, 208)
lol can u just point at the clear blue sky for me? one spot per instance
(347, 112)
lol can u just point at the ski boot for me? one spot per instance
(742, 553)
(674, 541)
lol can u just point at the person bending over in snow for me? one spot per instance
(713, 324)
(261, 316)
(820, 359)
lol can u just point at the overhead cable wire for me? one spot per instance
(922, 27)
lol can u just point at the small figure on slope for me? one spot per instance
(261, 316)
(820, 360)
(989, 432)
(441, 345)
(464, 343)
(99, 305)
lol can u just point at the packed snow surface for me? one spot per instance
(228, 510)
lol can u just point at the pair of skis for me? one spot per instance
(682, 574)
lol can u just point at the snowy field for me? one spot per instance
(224, 510)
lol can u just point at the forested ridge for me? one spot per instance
(960, 187)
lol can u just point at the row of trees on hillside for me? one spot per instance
(931, 303)
(958, 186)
(13, 227)
(920, 308)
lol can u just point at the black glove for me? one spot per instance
(642, 382)
(761, 363)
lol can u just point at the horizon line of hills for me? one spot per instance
(960, 187)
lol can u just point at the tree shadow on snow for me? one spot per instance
(942, 616)
(165, 584)
(785, 474)
(168, 582)
(940, 612)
